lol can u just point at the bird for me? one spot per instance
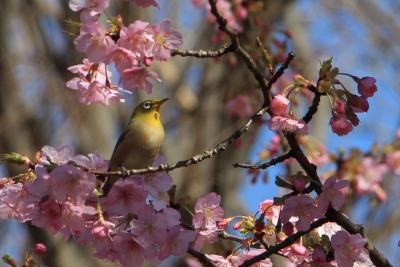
(139, 144)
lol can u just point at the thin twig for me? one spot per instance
(204, 53)
(264, 165)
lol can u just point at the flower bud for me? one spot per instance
(340, 124)
(366, 86)
(40, 248)
(279, 105)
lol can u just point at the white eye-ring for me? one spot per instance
(146, 105)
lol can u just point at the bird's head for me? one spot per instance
(148, 110)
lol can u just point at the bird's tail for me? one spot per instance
(108, 184)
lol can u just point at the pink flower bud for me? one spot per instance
(237, 225)
(222, 224)
(340, 107)
(340, 124)
(40, 248)
(366, 86)
(279, 105)
(358, 103)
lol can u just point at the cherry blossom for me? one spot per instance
(347, 248)
(135, 78)
(285, 124)
(240, 107)
(40, 248)
(331, 194)
(94, 42)
(94, 6)
(302, 207)
(165, 40)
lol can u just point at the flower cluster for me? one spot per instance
(346, 248)
(132, 49)
(345, 103)
(130, 225)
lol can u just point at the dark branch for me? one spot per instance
(314, 105)
(201, 257)
(204, 53)
(285, 243)
(264, 165)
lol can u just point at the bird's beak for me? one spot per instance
(159, 103)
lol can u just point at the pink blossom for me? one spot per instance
(319, 258)
(156, 183)
(279, 123)
(208, 212)
(55, 155)
(165, 39)
(240, 107)
(129, 251)
(48, 215)
(124, 58)
(246, 255)
(148, 228)
(297, 253)
(332, 194)
(393, 161)
(358, 103)
(93, 84)
(366, 86)
(279, 105)
(40, 248)
(94, 6)
(95, 92)
(347, 248)
(220, 261)
(302, 207)
(125, 197)
(12, 198)
(135, 78)
(177, 242)
(271, 211)
(328, 229)
(138, 38)
(92, 161)
(170, 217)
(369, 178)
(94, 41)
(73, 218)
(72, 183)
(340, 124)
(340, 106)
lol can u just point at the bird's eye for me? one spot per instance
(146, 105)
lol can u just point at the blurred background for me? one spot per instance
(36, 108)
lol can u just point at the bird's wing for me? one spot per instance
(121, 138)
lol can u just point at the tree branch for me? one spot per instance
(264, 165)
(201, 257)
(285, 243)
(228, 48)
(314, 105)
